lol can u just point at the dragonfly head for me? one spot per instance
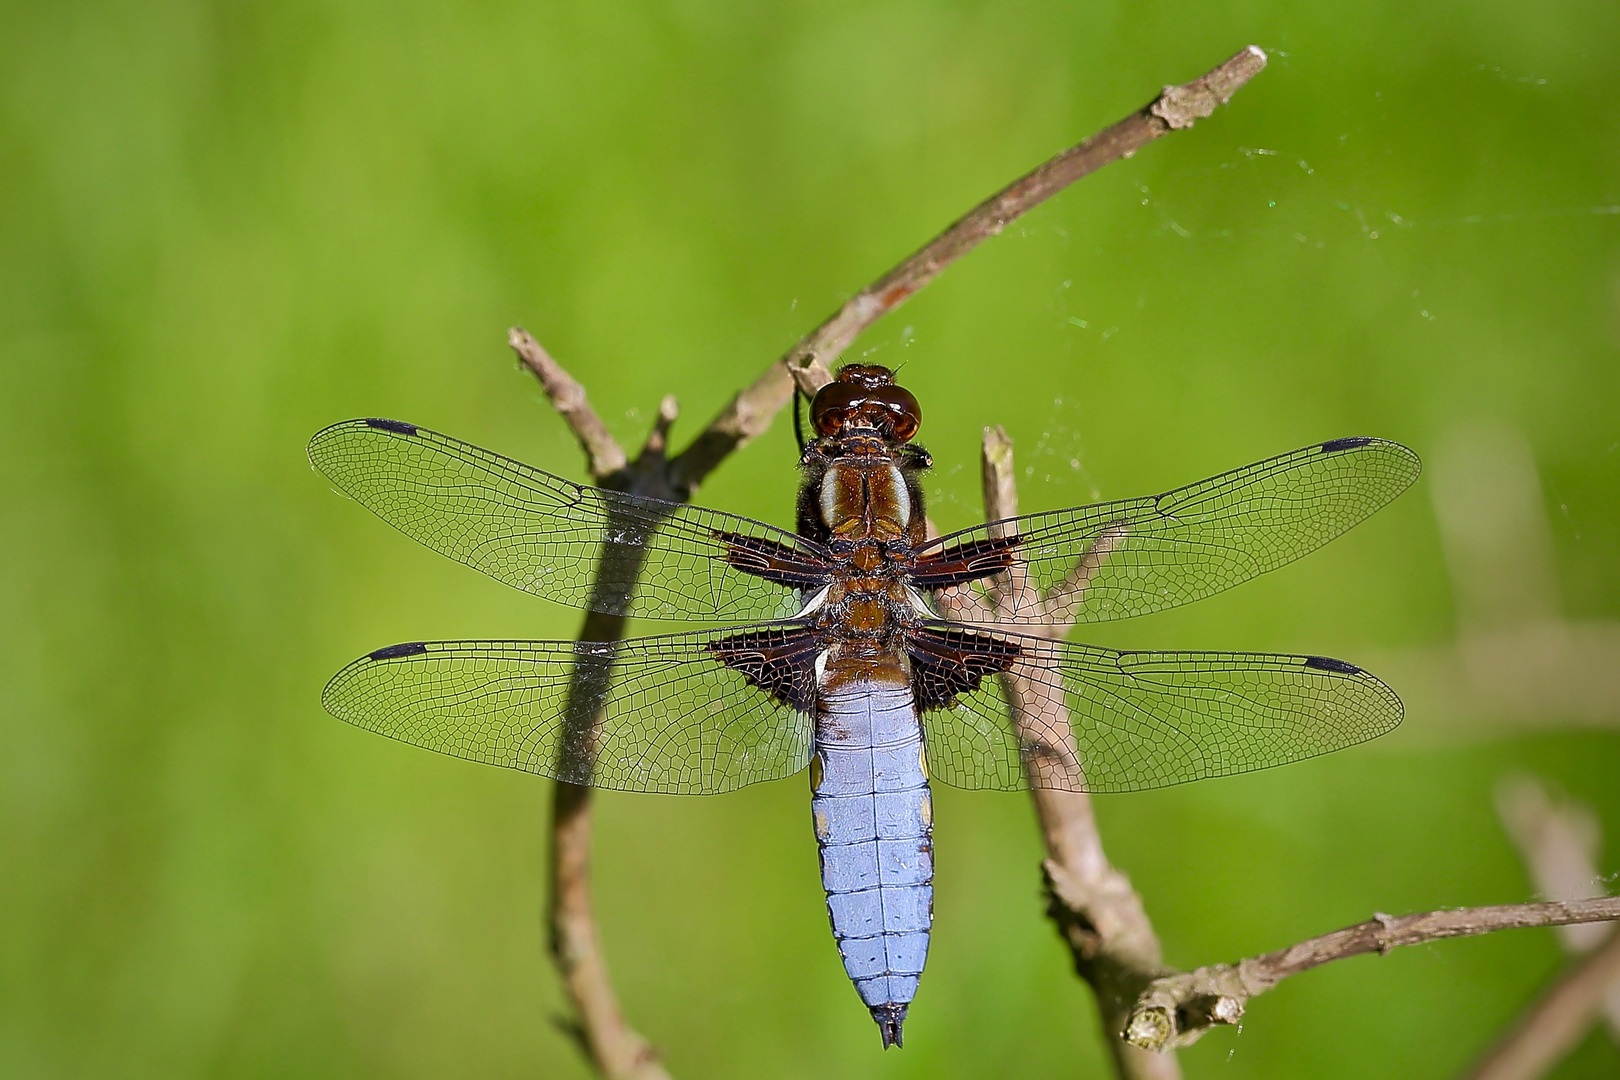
(865, 396)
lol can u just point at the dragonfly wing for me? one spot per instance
(583, 546)
(686, 714)
(1100, 720)
(1120, 559)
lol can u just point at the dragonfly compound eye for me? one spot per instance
(889, 408)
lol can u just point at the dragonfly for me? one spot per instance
(835, 651)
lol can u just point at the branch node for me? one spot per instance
(1388, 923)
(1180, 106)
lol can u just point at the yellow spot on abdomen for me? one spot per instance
(823, 827)
(815, 772)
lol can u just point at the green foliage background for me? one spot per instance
(223, 226)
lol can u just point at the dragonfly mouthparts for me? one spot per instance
(889, 1018)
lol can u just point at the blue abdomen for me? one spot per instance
(874, 823)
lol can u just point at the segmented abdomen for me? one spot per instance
(874, 820)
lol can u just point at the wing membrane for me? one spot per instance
(1151, 719)
(672, 718)
(1121, 559)
(583, 546)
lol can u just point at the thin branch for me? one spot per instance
(1101, 918)
(616, 1049)
(1557, 1023)
(603, 455)
(1177, 1009)
(1065, 595)
(1146, 1010)
(808, 364)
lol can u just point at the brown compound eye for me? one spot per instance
(830, 408)
(902, 413)
(889, 408)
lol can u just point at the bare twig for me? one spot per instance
(602, 453)
(1101, 918)
(1177, 1009)
(617, 1050)
(808, 364)
(1077, 865)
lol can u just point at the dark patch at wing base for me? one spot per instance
(780, 662)
(774, 562)
(963, 563)
(946, 663)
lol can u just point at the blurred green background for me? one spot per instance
(223, 226)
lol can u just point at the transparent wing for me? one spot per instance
(672, 718)
(1120, 559)
(579, 545)
(1151, 719)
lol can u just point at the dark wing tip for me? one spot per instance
(1333, 446)
(395, 652)
(320, 444)
(1327, 663)
(1410, 464)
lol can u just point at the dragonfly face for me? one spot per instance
(838, 657)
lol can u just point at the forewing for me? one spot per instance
(1115, 560)
(583, 546)
(661, 714)
(1099, 720)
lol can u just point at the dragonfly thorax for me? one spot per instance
(865, 498)
(860, 477)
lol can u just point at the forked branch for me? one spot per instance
(1146, 1009)
(612, 1046)
(1101, 918)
